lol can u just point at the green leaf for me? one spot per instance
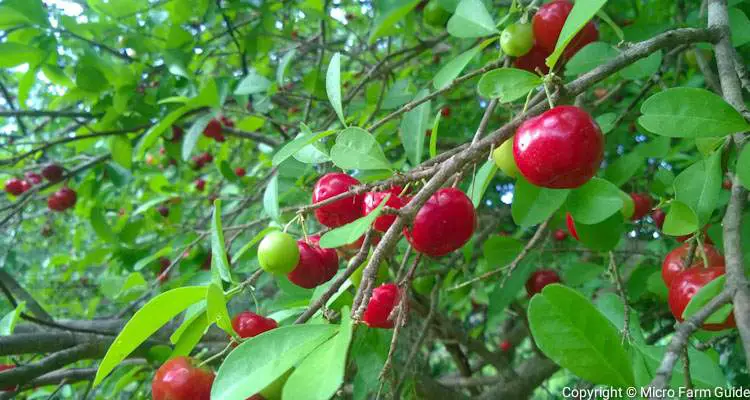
(89, 78)
(352, 231)
(690, 112)
(271, 198)
(319, 376)
(298, 143)
(272, 353)
(471, 19)
(532, 204)
(251, 123)
(253, 83)
(219, 262)
(590, 57)
(145, 261)
(680, 220)
(594, 202)
(208, 96)
(384, 22)
(580, 273)
(612, 307)
(606, 122)
(604, 235)
(216, 309)
(699, 186)
(101, 226)
(155, 131)
(504, 294)
(643, 68)
(623, 168)
(743, 167)
(191, 335)
(704, 371)
(117, 174)
(145, 322)
(9, 321)
(481, 181)
(501, 250)
(583, 11)
(453, 68)
(570, 331)
(413, 127)
(14, 54)
(434, 135)
(606, 18)
(122, 151)
(333, 86)
(705, 295)
(257, 238)
(193, 134)
(739, 26)
(284, 65)
(356, 148)
(507, 84)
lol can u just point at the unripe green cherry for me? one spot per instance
(278, 253)
(356, 276)
(517, 39)
(504, 160)
(434, 15)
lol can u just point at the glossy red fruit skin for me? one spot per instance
(316, 266)
(445, 112)
(539, 279)
(674, 262)
(5, 367)
(213, 129)
(686, 285)
(571, 226)
(249, 324)
(642, 205)
(505, 345)
(548, 23)
(14, 186)
(339, 212)
(200, 184)
(178, 379)
(62, 199)
(443, 224)
(240, 172)
(560, 235)
(53, 173)
(533, 60)
(384, 299)
(560, 149)
(373, 199)
(658, 216)
(33, 178)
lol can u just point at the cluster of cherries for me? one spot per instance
(216, 126)
(531, 44)
(60, 200)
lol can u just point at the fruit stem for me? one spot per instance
(217, 355)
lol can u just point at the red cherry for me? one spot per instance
(248, 324)
(227, 122)
(548, 23)
(539, 279)
(686, 284)
(535, 59)
(164, 263)
(428, 132)
(373, 199)
(384, 299)
(206, 265)
(33, 178)
(443, 224)
(560, 149)
(505, 346)
(213, 129)
(340, 212)
(177, 134)
(445, 112)
(316, 265)
(206, 157)
(53, 173)
(293, 110)
(240, 172)
(674, 263)
(200, 184)
(25, 185)
(163, 210)
(5, 367)
(571, 226)
(178, 379)
(294, 35)
(15, 186)
(62, 199)
(642, 205)
(560, 235)
(727, 184)
(658, 216)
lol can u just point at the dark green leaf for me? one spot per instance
(532, 204)
(620, 171)
(193, 134)
(590, 57)
(413, 128)
(594, 202)
(583, 11)
(743, 167)
(643, 68)
(604, 235)
(739, 25)
(101, 226)
(384, 23)
(699, 186)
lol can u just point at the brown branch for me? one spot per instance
(258, 137)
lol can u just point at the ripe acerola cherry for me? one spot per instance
(727, 184)
(434, 15)
(5, 367)
(373, 199)
(53, 173)
(200, 184)
(240, 172)
(212, 129)
(674, 262)
(443, 224)
(15, 186)
(505, 346)
(340, 212)
(534, 59)
(548, 23)
(503, 157)
(686, 284)
(445, 112)
(560, 149)
(517, 39)
(658, 216)
(163, 210)
(62, 199)
(539, 279)
(384, 299)
(248, 324)
(33, 178)
(316, 265)
(278, 253)
(180, 379)
(560, 235)
(642, 205)
(571, 226)
(177, 134)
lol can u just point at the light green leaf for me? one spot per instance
(583, 11)
(434, 135)
(705, 295)
(191, 335)
(680, 220)
(532, 204)
(219, 263)
(507, 84)
(333, 86)
(453, 68)
(145, 322)
(384, 23)
(481, 180)
(594, 202)
(471, 19)
(743, 167)
(155, 131)
(193, 134)
(8, 323)
(271, 198)
(699, 186)
(251, 123)
(122, 151)
(739, 26)
(643, 68)
(145, 261)
(298, 144)
(253, 83)
(356, 148)
(216, 309)
(257, 238)
(413, 127)
(606, 122)
(13, 54)
(590, 57)
(101, 226)
(690, 112)
(352, 231)
(284, 65)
